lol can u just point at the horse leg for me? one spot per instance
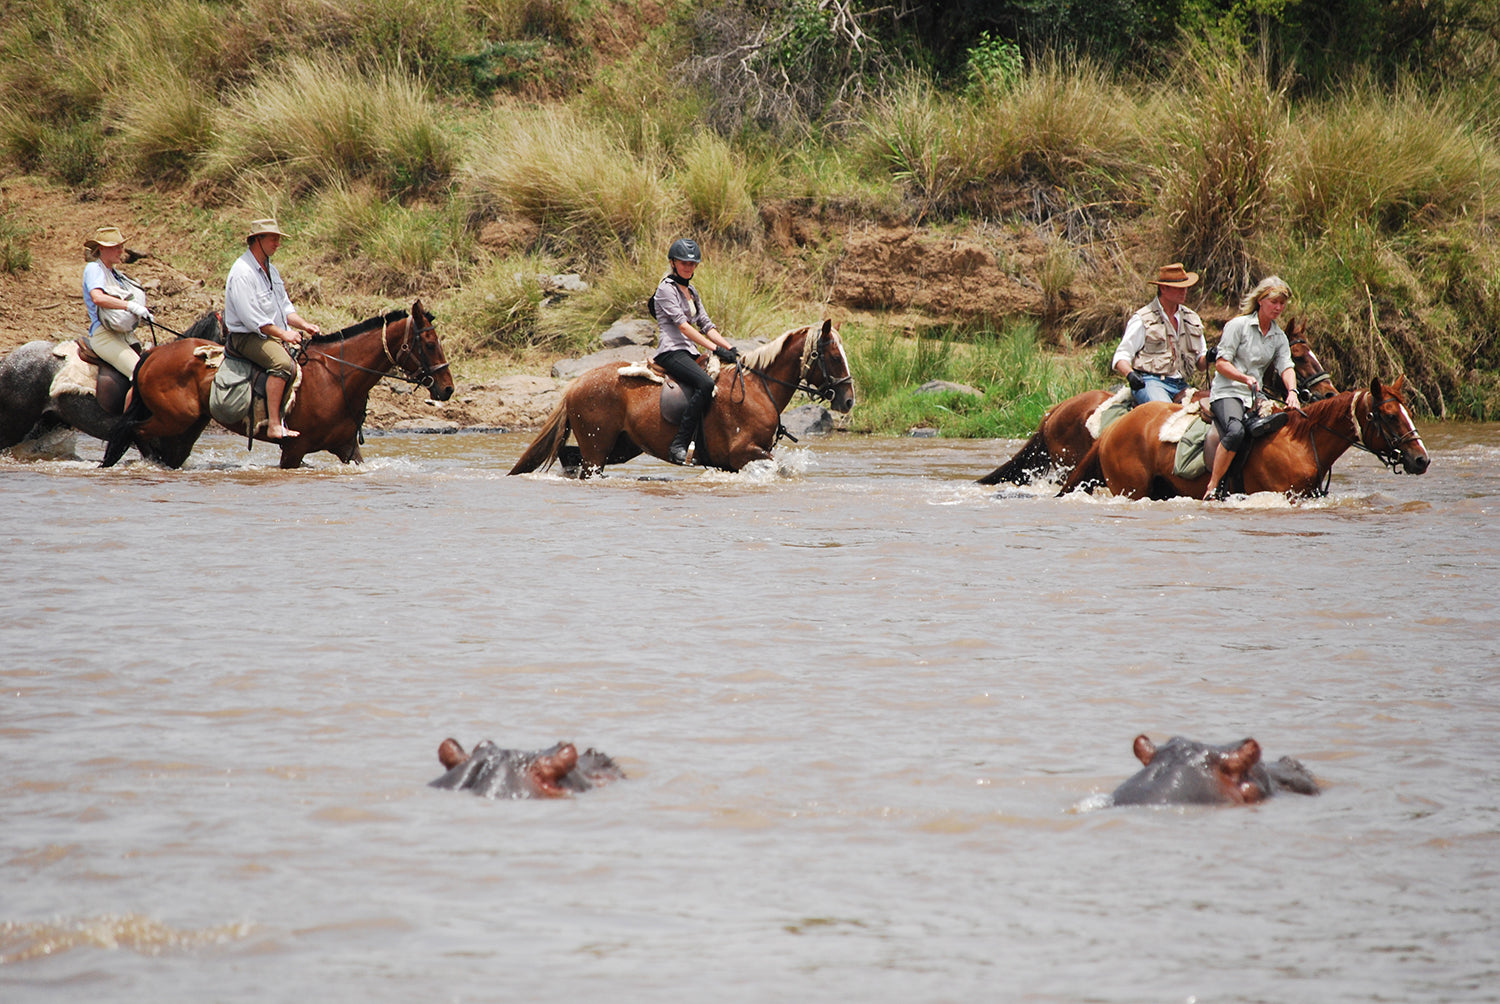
(1088, 474)
(1023, 468)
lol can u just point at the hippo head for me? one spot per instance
(493, 772)
(1186, 772)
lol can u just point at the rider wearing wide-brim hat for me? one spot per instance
(682, 325)
(1163, 341)
(261, 320)
(105, 286)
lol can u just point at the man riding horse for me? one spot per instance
(1162, 340)
(261, 319)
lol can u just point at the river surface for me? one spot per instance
(868, 709)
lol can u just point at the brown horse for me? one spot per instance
(617, 416)
(1063, 437)
(1132, 461)
(338, 372)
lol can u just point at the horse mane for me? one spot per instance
(761, 357)
(1318, 412)
(361, 327)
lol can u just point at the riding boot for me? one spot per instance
(677, 451)
(1262, 426)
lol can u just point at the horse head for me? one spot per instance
(1388, 431)
(826, 369)
(420, 355)
(1313, 381)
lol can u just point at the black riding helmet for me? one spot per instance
(685, 249)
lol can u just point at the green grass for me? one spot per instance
(1018, 381)
(392, 131)
(15, 250)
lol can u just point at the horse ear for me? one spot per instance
(1375, 388)
(827, 327)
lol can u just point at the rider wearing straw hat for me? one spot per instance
(261, 319)
(1162, 340)
(105, 286)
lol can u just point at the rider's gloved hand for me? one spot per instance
(1134, 379)
(729, 356)
(139, 310)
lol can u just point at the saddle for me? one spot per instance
(238, 393)
(673, 399)
(1257, 426)
(84, 372)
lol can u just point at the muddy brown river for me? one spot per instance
(868, 710)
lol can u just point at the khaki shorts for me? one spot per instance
(115, 349)
(267, 353)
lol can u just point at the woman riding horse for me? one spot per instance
(1250, 342)
(681, 321)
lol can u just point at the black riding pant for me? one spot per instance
(1229, 417)
(682, 366)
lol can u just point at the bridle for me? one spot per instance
(1390, 431)
(814, 355)
(1305, 384)
(1389, 455)
(426, 378)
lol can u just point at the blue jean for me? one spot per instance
(1158, 388)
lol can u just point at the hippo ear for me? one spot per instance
(451, 754)
(1237, 763)
(1145, 749)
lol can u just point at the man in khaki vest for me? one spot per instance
(1163, 340)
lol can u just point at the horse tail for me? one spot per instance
(543, 450)
(1023, 468)
(122, 433)
(1088, 474)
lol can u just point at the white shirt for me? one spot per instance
(251, 300)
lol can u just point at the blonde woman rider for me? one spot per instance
(1250, 342)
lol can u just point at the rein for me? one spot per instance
(814, 354)
(425, 378)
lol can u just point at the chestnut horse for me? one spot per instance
(616, 416)
(1063, 438)
(1133, 462)
(338, 372)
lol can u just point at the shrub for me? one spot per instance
(994, 64)
(568, 175)
(715, 182)
(15, 248)
(321, 122)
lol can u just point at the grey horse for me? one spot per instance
(29, 412)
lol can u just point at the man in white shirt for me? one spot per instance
(261, 319)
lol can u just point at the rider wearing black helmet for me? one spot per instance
(681, 322)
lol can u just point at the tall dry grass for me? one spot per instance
(572, 176)
(1373, 158)
(715, 181)
(319, 122)
(1220, 171)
